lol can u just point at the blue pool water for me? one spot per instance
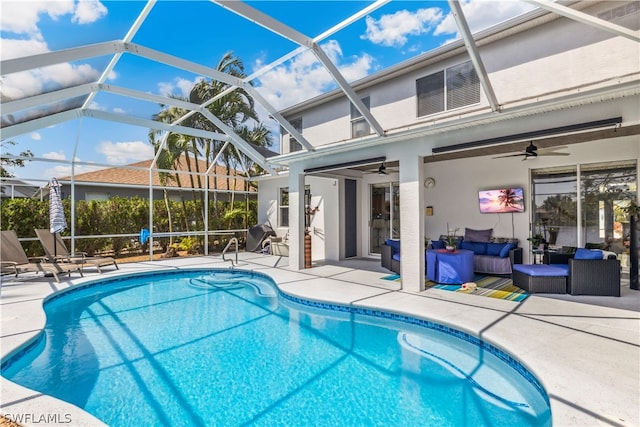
(213, 347)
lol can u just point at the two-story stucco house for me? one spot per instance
(440, 128)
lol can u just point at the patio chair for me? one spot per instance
(594, 277)
(56, 250)
(13, 259)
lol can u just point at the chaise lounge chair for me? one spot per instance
(56, 251)
(13, 259)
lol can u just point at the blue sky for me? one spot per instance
(203, 32)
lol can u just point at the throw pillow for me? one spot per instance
(582, 253)
(505, 251)
(471, 235)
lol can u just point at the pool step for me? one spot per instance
(469, 363)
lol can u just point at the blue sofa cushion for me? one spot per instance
(505, 251)
(395, 244)
(582, 253)
(478, 248)
(545, 270)
(437, 244)
(494, 249)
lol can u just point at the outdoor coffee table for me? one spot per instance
(453, 268)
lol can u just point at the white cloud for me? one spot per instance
(303, 77)
(88, 11)
(119, 110)
(22, 17)
(55, 155)
(481, 14)
(393, 30)
(15, 48)
(33, 82)
(59, 171)
(120, 153)
(95, 106)
(36, 136)
(179, 86)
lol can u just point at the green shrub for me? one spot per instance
(120, 215)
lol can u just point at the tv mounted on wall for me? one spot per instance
(501, 200)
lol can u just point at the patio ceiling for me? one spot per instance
(75, 102)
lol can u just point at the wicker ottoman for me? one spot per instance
(541, 278)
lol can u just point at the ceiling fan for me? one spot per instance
(533, 151)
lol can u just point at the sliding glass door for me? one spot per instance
(555, 203)
(606, 190)
(384, 222)
(583, 205)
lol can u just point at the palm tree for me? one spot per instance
(165, 160)
(178, 146)
(233, 109)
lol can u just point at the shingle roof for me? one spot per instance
(140, 177)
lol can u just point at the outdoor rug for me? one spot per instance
(488, 286)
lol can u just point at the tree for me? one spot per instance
(233, 107)
(8, 160)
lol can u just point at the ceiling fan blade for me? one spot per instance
(511, 155)
(552, 153)
(555, 148)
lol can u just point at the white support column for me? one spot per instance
(296, 218)
(412, 261)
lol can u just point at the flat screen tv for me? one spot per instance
(501, 200)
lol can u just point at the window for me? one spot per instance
(601, 192)
(290, 144)
(455, 87)
(283, 220)
(283, 202)
(359, 126)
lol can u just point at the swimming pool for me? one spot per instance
(217, 347)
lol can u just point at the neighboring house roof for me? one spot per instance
(16, 188)
(127, 175)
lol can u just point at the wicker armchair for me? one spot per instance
(386, 259)
(594, 277)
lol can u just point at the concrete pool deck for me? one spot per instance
(586, 356)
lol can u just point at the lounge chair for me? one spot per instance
(13, 259)
(59, 253)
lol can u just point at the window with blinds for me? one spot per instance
(455, 87)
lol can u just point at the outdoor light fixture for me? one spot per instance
(381, 169)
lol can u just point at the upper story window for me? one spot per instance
(289, 143)
(359, 126)
(455, 87)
